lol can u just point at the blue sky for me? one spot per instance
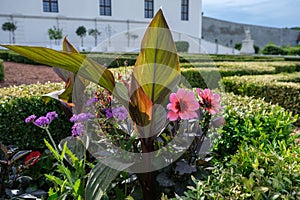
(273, 13)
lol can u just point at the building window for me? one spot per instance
(185, 10)
(148, 8)
(50, 6)
(105, 7)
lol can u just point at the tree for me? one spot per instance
(11, 27)
(55, 34)
(81, 32)
(94, 33)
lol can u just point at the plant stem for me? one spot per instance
(61, 161)
(147, 179)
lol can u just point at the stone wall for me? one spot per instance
(229, 33)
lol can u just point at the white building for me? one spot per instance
(111, 17)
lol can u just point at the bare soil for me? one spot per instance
(17, 74)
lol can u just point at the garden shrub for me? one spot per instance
(4, 55)
(212, 75)
(14, 57)
(292, 50)
(1, 71)
(276, 89)
(248, 68)
(182, 46)
(272, 49)
(17, 103)
(251, 121)
(271, 172)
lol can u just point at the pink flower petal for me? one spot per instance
(172, 116)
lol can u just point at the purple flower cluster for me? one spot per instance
(91, 101)
(119, 112)
(78, 127)
(82, 117)
(42, 121)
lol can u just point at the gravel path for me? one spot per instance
(17, 74)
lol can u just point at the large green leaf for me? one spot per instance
(74, 62)
(157, 67)
(155, 75)
(101, 177)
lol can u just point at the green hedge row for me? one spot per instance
(282, 89)
(210, 77)
(191, 58)
(14, 57)
(17, 103)
(278, 67)
(251, 120)
(1, 71)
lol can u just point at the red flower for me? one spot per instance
(209, 101)
(32, 158)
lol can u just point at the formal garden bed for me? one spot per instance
(240, 139)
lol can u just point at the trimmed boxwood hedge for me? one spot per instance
(17, 103)
(277, 89)
(251, 120)
(14, 57)
(1, 71)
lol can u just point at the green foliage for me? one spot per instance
(14, 57)
(251, 121)
(17, 103)
(81, 32)
(277, 89)
(269, 172)
(4, 54)
(69, 182)
(182, 46)
(11, 27)
(55, 34)
(94, 33)
(272, 49)
(292, 50)
(238, 46)
(2, 72)
(208, 74)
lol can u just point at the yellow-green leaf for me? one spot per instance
(157, 67)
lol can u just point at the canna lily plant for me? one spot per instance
(156, 75)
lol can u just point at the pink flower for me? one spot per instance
(209, 101)
(182, 105)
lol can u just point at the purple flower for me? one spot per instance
(31, 118)
(120, 112)
(77, 129)
(108, 113)
(82, 117)
(51, 115)
(91, 101)
(42, 121)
